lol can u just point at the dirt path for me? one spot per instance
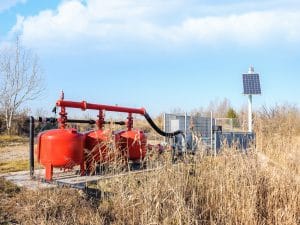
(12, 153)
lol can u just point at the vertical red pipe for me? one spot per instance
(100, 121)
(129, 121)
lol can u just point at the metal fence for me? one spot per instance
(197, 124)
(213, 132)
(239, 140)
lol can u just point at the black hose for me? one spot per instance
(159, 131)
(81, 121)
(54, 120)
(122, 123)
(146, 115)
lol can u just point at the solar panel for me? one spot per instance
(251, 84)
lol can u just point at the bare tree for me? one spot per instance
(20, 80)
(219, 108)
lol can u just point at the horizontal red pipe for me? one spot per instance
(84, 105)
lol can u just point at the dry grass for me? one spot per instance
(277, 131)
(13, 166)
(57, 206)
(260, 187)
(6, 140)
(229, 189)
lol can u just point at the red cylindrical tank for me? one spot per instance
(132, 144)
(96, 146)
(62, 148)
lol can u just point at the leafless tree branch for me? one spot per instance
(20, 79)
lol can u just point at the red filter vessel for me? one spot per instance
(61, 148)
(96, 146)
(132, 144)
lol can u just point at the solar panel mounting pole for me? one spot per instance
(252, 87)
(250, 122)
(250, 113)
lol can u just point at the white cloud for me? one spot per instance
(248, 28)
(7, 4)
(114, 21)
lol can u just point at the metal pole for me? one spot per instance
(211, 130)
(185, 124)
(31, 146)
(250, 113)
(215, 143)
(165, 126)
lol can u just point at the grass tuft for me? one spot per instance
(14, 166)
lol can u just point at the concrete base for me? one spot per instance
(23, 179)
(61, 178)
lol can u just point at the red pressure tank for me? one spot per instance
(131, 144)
(62, 148)
(96, 147)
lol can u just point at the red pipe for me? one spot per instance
(84, 105)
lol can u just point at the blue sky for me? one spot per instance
(159, 54)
